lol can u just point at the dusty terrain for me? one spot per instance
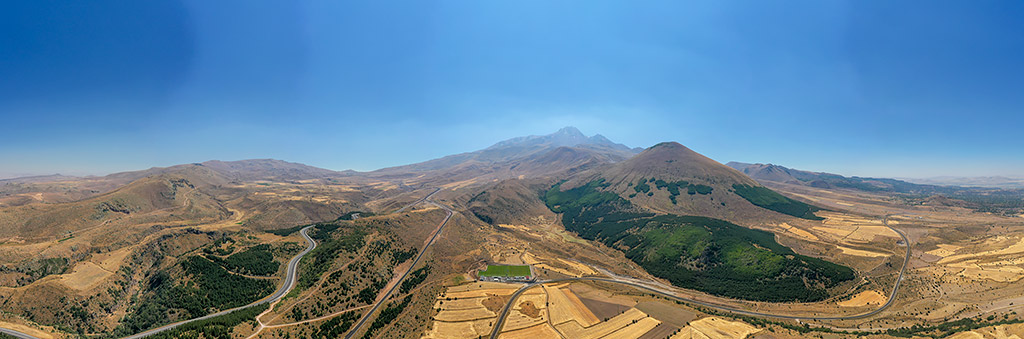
(78, 254)
(963, 265)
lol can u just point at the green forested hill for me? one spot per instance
(702, 253)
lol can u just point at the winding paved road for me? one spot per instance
(380, 302)
(417, 202)
(892, 297)
(290, 278)
(289, 283)
(16, 334)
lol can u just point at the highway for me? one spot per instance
(419, 256)
(16, 334)
(417, 202)
(669, 294)
(289, 283)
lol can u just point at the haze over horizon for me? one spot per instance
(865, 88)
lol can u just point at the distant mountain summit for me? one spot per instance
(776, 173)
(565, 151)
(566, 137)
(770, 172)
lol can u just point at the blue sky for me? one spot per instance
(870, 88)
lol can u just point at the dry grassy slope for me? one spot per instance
(60, 188)
(242, 170)
(765, 172)
(150, 198)
(511, 202)
(671, 161)
(52, 300)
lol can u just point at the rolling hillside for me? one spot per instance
(670, 178)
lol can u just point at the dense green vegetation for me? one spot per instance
(483, 217)
(722, 258)
(256, 260)
(218, 248)
(369, 293)
(506, 271)
(414, 279)
(674, 187)
(210, 287)
(642, 186)
(766, 198)
(284, 232)
(706, 254)
(400, 256)
(337, 326)
(219, 327)
(388, 315)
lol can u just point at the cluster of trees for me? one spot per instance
(386, 316)
(337, 326)
(722, 258)
(673, 187)
(217, 247)
(369, 293)
(708, 254)
(219, 327)
(414, 279)
(38, 269)
(642, 186)
(317, 262)
(210, 288)
(400, 256)
(284, 232)
(256, 260)
(766, 198)
(949, 328)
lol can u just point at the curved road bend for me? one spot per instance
(417, 202)
(289, 283)
(380, 302)
(892, 297)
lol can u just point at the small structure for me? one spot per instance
(507, 273)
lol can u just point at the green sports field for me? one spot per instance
(506, 271)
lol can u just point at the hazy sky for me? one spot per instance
(870, 88)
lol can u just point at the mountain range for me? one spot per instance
(134, 250)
